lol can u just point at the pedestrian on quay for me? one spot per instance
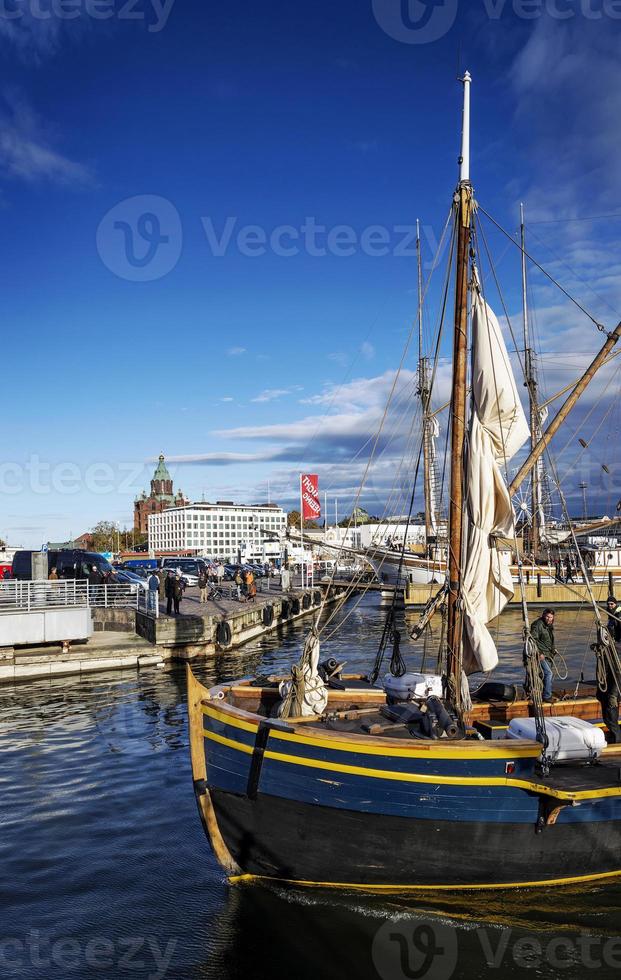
(542, 632)
(168, 589)
(161, 577)
(609, 698)
(251, 587)
(203, 584)
(177, 592)
(220, 575)
(239, 584)
(53, 576)
(153, 583)
(285, 578)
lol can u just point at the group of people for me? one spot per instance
(211, 577)
(245, 585)
(542, 632)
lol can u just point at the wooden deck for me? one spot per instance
(417, 596)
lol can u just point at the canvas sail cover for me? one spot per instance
(498, 428)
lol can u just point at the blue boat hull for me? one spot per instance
(304, 804)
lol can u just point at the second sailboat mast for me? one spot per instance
(458, 411)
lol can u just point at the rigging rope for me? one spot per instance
(554, 281)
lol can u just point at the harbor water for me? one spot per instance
(106, 871)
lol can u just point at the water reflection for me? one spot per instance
(100, 840)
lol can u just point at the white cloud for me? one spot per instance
(235, 351)
(25, 150)
(368, 351)
(274, 394)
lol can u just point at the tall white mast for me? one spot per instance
(464, 171)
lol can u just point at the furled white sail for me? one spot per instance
(498, 428)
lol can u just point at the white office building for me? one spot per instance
(222, 530)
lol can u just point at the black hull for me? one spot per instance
(280, 839)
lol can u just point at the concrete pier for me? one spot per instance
(128, 639)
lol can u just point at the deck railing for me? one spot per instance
(19, 596)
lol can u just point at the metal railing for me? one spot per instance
(18, 596)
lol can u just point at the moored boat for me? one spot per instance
(321, 779)
(325, 803)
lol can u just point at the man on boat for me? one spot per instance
(609, 699)
(542, 632)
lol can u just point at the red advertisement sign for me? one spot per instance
(309, 492)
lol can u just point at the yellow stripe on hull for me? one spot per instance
(430, 779)
(431, 751)
(545, 883)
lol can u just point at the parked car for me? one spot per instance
(69, 563)
(126, 577)
(134, 564)
(190, 567)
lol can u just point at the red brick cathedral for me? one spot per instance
(160, 498)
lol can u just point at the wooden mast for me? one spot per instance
(531, 385)
(463, 204)
(424, 393)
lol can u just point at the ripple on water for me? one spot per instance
(100, 838)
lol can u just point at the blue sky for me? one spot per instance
(250, 365)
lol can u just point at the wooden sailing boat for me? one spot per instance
(361, 788)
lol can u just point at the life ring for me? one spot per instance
(285, 608)
(317, 597)
(295, 606)
(306, 600)
(223, 633)
(268, 615)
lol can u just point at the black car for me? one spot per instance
(69, 563)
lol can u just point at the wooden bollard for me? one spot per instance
(539, 585)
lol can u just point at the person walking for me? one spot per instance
(220, 575)
(609, 698)
(168, 589)
(542, 632)
(203, 584)
(153, 584)
(177, 592)
(53, 576)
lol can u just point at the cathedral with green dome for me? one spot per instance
(162, 497)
